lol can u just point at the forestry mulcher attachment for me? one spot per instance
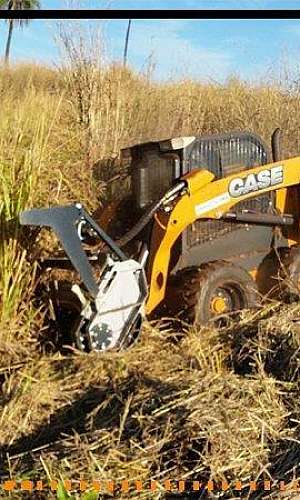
(218, 227)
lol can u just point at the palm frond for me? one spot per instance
(20, 4)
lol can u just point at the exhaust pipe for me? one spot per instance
(276, 144)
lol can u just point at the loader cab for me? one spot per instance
(156, 165)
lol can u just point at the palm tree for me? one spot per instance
(16, 5)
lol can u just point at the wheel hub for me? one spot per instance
(219, 304)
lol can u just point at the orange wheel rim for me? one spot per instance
(218, 305)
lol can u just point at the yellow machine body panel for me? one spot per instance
(207, 198)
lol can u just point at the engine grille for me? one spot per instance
(224, 155)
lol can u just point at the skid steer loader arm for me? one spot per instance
(207, 198)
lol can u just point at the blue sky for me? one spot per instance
(200, 49)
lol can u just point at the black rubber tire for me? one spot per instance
(290, 274)
(190, 291)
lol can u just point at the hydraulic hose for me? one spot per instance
(145, 219)
(139, 226)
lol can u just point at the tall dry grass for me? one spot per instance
(217, 404)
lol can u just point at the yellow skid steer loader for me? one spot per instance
(216, 215)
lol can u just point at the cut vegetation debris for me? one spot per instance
(162, 410)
